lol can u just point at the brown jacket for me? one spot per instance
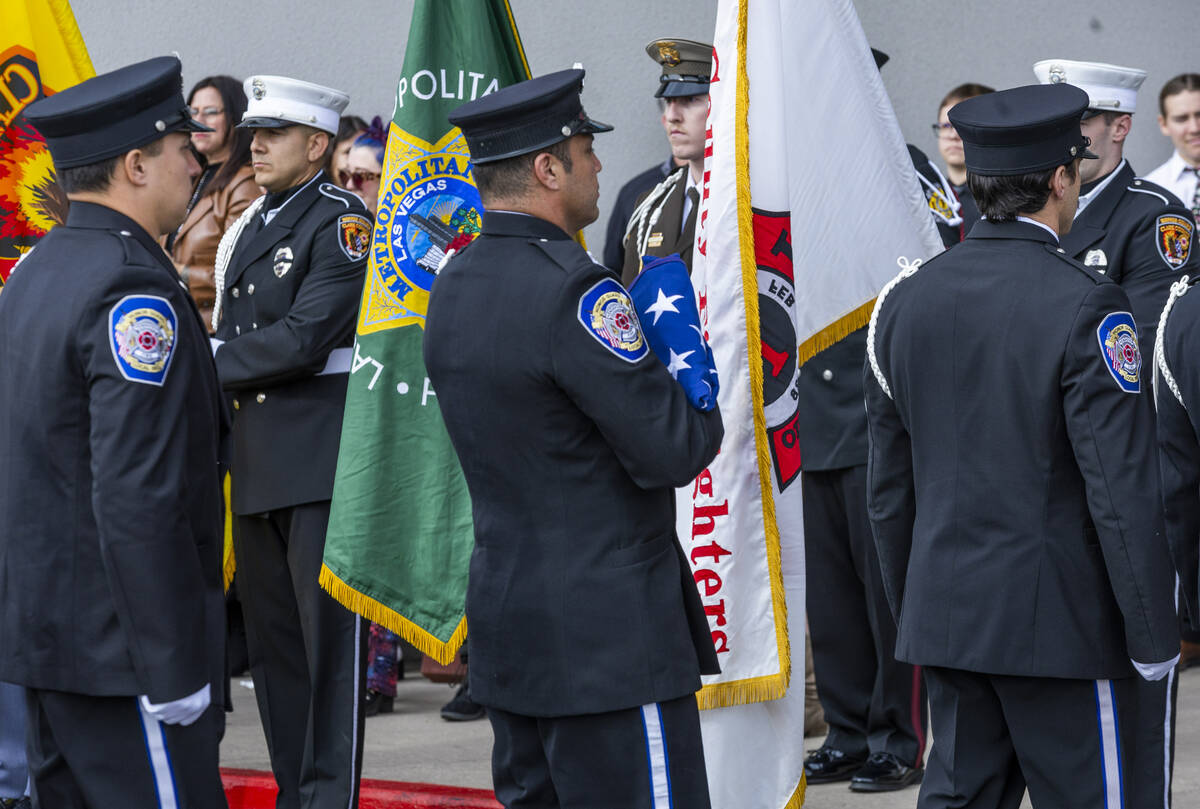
(195, 250)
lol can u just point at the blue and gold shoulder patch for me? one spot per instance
(143, 329)
(607, 313)
(1119, 349)
(354, 235)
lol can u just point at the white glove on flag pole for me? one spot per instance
(809, 197)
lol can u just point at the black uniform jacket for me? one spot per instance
(833, 429)
(1118, 235)
(579, 600)
(1179, 448)
(668, 233)
(110, 556)
(291, 297)
(1012, 483)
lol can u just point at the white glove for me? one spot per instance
(1152, 672)
(181, 711)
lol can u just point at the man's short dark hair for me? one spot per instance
(97, 176)
(511, 177)
(1001, 199)
(1175, 86)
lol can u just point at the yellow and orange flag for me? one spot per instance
(41, 52)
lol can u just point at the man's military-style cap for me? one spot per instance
(525, 117)
(110, 114)
(1022, 130)
(686, 67)
(276, 101)
(1109, 87)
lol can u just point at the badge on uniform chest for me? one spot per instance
(655, 240)
(283, 261)
(1095, 258)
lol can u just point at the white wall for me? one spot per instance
(358, 46)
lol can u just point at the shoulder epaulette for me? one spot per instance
(907, 268)
(1178, 290)
(1141, 186)
(337, 194)
(1090, 272)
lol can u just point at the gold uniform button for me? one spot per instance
(260, 398)
(237, 405)
(235, 292)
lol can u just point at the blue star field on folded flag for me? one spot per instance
(666, 305)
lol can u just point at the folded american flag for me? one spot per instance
(666, 305)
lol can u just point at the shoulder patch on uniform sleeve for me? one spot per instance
(354, 235)
(607, 313)
(143, 333)
(1173, 238)
(1119, 350)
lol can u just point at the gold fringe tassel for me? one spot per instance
(797, 799)
(379, 613)
(838, 329)
(758, 689)
(228, 562)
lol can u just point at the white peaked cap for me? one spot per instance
(279, 101)
(1109, 87)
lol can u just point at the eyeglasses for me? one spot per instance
(945, 130)
(207, 112)
(357, 179)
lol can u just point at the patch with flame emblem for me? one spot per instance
(607, 313)
(142, 328)
(1174, 239)
(1119, 349)
(354, 235)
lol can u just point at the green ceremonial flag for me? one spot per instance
(400, 532)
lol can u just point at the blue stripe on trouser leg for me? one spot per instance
(160, 760)
(1110, 745)
(656, 756)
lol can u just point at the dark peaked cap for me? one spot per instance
(525, 117)
(109, 114)
(1022, 130)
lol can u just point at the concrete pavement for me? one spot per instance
(416, 744)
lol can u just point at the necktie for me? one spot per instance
(693, 198)
(1196, 193)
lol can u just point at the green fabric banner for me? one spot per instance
(400, 532)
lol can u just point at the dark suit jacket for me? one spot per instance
(1012, 482)
(1120, 228)
(110, 557)
(291, 297)
(579, 600)
(668, 234)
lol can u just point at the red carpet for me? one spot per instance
(254, 789)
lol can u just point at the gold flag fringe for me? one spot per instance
(385, 616)
(228, 562)
(797, 799)
(838, 329)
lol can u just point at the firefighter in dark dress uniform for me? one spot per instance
(1012, 484)
(289, 276)
(111, 605)
(664, 219)
(587, 633)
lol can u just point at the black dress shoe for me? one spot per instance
(883, 772)
(462, 708)
(376, 703)
(827, 764)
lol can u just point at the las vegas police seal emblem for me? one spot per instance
(142, 328)
(1119, 347)
(607, 313)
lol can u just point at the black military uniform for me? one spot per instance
(1011, 492)
(658, 225)
(1139, 235)
(288, 303)
(587, 634)
(111, 605)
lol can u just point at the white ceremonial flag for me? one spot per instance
(801, 139)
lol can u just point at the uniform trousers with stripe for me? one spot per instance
(308, 658)
(638, 758)
(1065, 740)
(90, 752)
(1152, 757)
(873, 702)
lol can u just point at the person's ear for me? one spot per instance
(548, 170)
(133, 166)
(318, 142)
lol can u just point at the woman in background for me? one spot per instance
(224, 189)
(349, 128)
(364, 164)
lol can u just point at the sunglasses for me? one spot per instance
(357, 179)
